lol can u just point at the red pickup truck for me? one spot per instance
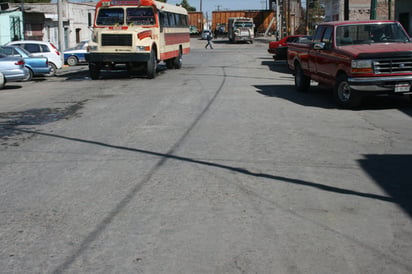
(355, 58)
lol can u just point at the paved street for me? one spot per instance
(220, 167)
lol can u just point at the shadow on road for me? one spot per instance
(322, 98)
(392, 173)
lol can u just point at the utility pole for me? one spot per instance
(373, 10)
(200, 5)
(60, 23)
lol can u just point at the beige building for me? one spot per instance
(339, 10)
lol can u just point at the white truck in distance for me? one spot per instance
(241, 29)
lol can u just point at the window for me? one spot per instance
(140, 16)
(110, 16)
(32, 48)
(327, 36)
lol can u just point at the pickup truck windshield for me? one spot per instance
(370, 33)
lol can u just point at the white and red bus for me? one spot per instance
(138, 34)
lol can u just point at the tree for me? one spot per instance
(187, 6)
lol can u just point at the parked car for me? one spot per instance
(35, 65)
(12, 69)
(77, 54)
(279, 48)
(205, 33)
(40, 48)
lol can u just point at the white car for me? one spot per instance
(205, 33)
(45, 49)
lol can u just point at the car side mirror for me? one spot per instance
(319, 45)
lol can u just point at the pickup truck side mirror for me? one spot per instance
(319, 45)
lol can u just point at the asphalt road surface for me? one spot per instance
(220, 167)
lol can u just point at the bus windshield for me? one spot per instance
(140, 16)
(134, 16)
(110, 16)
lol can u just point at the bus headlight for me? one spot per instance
(362, 66)
(142, 48)
(91, 48)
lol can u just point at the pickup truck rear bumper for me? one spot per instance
(397, 84)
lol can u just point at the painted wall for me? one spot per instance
(6, 35)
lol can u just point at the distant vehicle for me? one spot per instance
(35, 65)
(12, 69)
(40, 48)
(205, 33)
(240, 29)
(193, 30)
(77, 54)
(279, 48)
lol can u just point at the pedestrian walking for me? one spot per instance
(209, 38)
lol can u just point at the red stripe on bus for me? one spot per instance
(172, 54)
(176, 38)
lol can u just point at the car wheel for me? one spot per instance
(2, 80)
(53, 69)
(344, 95)
(72, 61)
(302, 82)
(29, 75)
(94, 71)
(151, 65)
(178, 61)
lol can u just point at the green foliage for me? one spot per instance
(187, 6)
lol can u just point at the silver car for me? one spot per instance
(12, 69)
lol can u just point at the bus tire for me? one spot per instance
(169, 63)
(151, 65)
(178, 61)
(94, 71)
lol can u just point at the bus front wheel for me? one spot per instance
(151, 65)
(94, 71)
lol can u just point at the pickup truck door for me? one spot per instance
(314, 53)
(325, 62)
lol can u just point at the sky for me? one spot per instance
(211, 5)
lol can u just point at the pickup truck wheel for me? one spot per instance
(344, 95)
(302, 82)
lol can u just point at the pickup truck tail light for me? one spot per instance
(362, 66)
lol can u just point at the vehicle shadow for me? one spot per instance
(317, 97)
(392, 174)
(279, 66)
(322, 97)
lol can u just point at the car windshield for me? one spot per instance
(370, 33)
(15, 51)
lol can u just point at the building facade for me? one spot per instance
(403, 13)
(41, 22)
(339, 10)
(11, 24)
